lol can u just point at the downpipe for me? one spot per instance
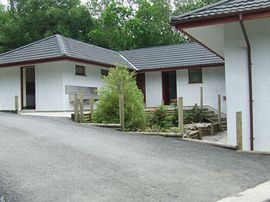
(249, 55)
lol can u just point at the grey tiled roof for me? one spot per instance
(59, 46)
(225, 7)
(172, 56)
(182, 55)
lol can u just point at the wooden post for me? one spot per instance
(200, 133)
(219, 112)
(180, 115)
(122, 111)
(81, 107)
(16, 104)
(239, 130)
(212, 131)
(76, 108)
(201, 97)
(91, 103)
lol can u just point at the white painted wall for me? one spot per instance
(9, 87)
(213, 85)
(51, 79)
(153, 88)
(92, 79)
(237, 81)
(49, 86)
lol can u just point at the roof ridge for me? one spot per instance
(128, 61)
(27, 45)
(61, 45)
(199, 9)
(179, 44)
(89, 44)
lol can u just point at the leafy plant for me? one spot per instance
(120, 81)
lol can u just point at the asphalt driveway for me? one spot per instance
(53, 159)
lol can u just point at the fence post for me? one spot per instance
(81, 107)
(76, 108)
(200, 133)
(16, 104)
(91, 103)
(212, 131)
(122, 111)
(201, 97)
(180, 115)
(239, 130)
(219, 112)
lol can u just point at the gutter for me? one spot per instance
(249, 55)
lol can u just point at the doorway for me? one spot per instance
(169, 87)
(28, 82)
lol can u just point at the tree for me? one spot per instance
(120, 81)
(31, 20)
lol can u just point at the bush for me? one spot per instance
(161, 118)
(119, 81)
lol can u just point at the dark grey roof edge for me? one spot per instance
(30, 44)
(175, 18)
(216, 64)
(61, 45)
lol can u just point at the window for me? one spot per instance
(80, 70)
(195, 76)
(104, 72)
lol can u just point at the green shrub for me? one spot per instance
(119, 81)
(161, 118)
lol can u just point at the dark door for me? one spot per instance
(140, 78)
(28, 88)
(169, 87)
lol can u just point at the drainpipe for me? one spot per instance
(249, 81)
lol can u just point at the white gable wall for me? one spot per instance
(237, 81)
(10, 87)
(213, 85)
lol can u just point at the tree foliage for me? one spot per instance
(120, 81)
(113, 24)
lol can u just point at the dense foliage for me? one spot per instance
(161, 119)
(116, 24)
(120, 81)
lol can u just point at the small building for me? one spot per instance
(168, 72)
(239, 31)
(46, 74)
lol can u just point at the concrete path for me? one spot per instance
(52, 159)
(260, 193)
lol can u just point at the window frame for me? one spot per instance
(102, 72)
(79, 74)
(190, 74)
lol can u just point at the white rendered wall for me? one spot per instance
(51, 79)
(49, 86)
(153, 88)
(237, 81)
(213, 85)
(92, 79)
(10, 87)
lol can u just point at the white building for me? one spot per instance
(239, 31)
(45, 74)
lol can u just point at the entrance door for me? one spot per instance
(28, 88)
(169, 87)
